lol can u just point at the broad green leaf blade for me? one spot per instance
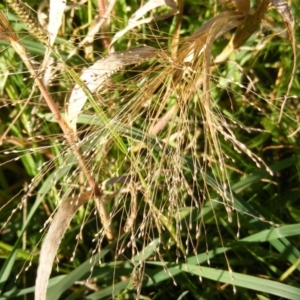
(245, 281)
(257, 284)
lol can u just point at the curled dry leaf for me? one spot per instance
(246, 29)
(57, 229)
(198, 42)
(250, 24)
(93, 77)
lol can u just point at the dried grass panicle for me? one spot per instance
(168, 134)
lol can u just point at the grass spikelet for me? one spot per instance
(31, 22)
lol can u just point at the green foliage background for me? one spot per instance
(247, 90)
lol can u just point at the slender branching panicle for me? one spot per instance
(159, 141)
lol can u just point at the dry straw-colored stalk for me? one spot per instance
(68, 208)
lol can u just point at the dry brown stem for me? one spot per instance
(67, 209)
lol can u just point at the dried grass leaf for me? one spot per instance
(56, 13)
(251, 23)
(56, 231)
(138, 17)
(246, 29)
(95, 75)
(229, 21)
